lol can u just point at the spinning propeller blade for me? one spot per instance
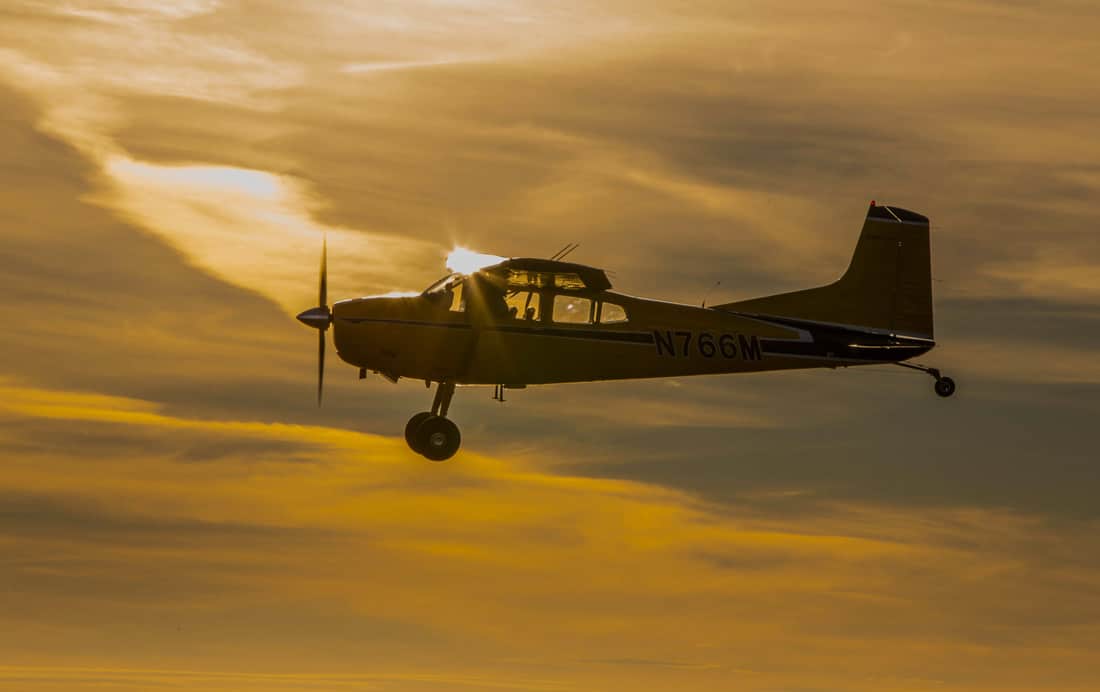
(320, 365)
(322, 300)
(320, 318)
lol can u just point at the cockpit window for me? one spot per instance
(448, 293)
(572, 309)
(523, 305)
(610, 313)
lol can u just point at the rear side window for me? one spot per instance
(610, 313)
(572, 309)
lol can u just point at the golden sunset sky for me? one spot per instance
(176, 513)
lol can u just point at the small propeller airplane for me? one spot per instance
(528, 321)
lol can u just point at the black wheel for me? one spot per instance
(945, 386)
(410, 430)
(438, 438)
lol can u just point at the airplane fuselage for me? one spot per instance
(415, 338)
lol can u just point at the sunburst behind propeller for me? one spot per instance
(320, 318)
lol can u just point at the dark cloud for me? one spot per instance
(43, 517)
(879, 437)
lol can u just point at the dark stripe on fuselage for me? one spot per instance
(831, 341)
(589, 334)
(841, 349)
(594, 334)
(410, 323)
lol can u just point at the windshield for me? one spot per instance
(447, 293)
(445, 284)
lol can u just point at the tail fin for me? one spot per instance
(888, 285)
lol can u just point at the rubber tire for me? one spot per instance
(438, 438)
(945, 386)
(411, 427)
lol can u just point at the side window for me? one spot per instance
(611, 313)
(523, 305)
(572, 309)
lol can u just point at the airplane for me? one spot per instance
(527, 321)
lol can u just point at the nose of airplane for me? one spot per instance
(318, 318)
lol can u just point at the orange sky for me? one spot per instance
(176, 514)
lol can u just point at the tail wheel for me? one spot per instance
(945, 386)
(410, 430)
(437, 438)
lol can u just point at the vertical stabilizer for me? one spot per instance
(888, 284)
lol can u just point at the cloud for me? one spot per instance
(391, 65)
(1025, 362)
(46, 677)
(114, 11)
(1052, 276)
(368, 534)
(73, 49)
(173, 502)
(254, 229)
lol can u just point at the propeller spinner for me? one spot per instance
(320, 318)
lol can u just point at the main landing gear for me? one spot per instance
(945, 386)
(431, 433)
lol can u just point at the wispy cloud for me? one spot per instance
(256, 230)
(398, 65)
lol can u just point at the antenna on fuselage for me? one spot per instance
(560, 254)
(712, 288)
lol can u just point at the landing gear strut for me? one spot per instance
(945, 386)
(431, 433)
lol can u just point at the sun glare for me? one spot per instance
(397, 294)
(466, 261)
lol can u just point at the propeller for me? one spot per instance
(320, 318)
